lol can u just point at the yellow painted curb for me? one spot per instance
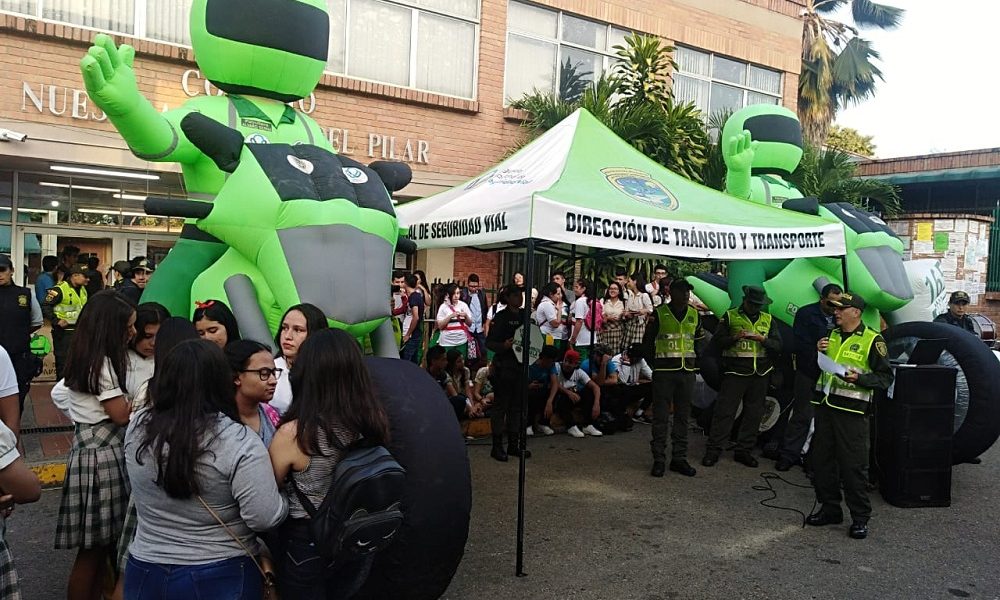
(50, 474)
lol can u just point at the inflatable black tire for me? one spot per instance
(980, 427)
(427, 442)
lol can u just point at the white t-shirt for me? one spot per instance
(8, 377)
(140, 370)
(579, 311)
(632, 373)
(86, 408)
(456, 336)
(547, 312)
(8, 446)
(575, 382)
(283, 392)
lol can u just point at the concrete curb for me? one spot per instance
(50, 474)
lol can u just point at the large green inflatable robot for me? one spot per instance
(260, 68)
(762, 145)
(264, 54)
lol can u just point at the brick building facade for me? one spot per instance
(734, 52)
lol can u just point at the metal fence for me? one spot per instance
(993, 264)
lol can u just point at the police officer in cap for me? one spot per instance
(957, 305)
(20, 316)
(748, 337)
(62, 307)
(674, 330)
(142, 270)
(839, 453)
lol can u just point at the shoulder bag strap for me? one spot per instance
(235, 537)
(306, 504)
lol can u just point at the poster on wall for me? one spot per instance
(925, 229)
(136, 248)
(940, 241)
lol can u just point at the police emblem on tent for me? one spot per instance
(638, 185)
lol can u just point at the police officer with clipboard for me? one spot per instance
(20, 316)
(839, 453)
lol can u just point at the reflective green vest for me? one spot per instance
(72, 303)
(675, 339)
(747, 349)
(854, 353)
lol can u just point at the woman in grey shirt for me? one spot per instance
(187, 449)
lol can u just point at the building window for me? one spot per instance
(430, 45)
(555, 52)
(716, 83)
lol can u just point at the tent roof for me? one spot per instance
(580, 184)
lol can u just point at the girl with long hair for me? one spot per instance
(148, 317)
(638, 308)
(550, 315)
(460, 374)
(215, 322)
(298, 323)
(613, 331)
(201, 485)
(96, 487)
(256, 377)
(335, 407)
(422, 285)
(453, 318)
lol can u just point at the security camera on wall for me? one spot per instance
(12, 136)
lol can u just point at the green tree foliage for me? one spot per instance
(850, 140)
(830, 176)
(633, 100)
(838, 67)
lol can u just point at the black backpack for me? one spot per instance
(360, 513)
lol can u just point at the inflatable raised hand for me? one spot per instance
(301, 224)
(762, 144)
(261, 59)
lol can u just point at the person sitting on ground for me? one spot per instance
(574, 389)
(482, 387)
(603, 371)
(437, 367)
(635, 381)
(255, 378)
(335, 406)
(542, 379)
(202, 484)
(298, 323)
(459, 373)
(215, 322)
(148, 317)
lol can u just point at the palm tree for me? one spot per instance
(837, 65)
(633, 100)
(830, 176)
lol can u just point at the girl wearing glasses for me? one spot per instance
(298, 323)
(256, 378)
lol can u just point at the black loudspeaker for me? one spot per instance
(914, 435)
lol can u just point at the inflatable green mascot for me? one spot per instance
(259, 67)
(762, 145)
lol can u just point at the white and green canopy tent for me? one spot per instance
(579, 187)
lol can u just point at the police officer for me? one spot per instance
(20, 316)
(62, 307)
(957, 305)
(132, 287)
(747, 337)
(674, 329)
(839, 454)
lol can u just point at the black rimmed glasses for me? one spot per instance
(264, 373)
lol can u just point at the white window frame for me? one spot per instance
(139, 25)
(608, 54)
(745, 88)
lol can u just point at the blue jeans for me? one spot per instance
(411, 349)
(231, 579)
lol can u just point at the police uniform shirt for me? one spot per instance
(964, 321)
(20, 314)
(504, 326)
(880, 375)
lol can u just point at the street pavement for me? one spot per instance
(599, 527)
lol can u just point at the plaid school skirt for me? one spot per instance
(10, 584)
(96, 490)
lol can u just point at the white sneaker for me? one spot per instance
(591, 430)
(545, 430)
(530, 432)
(575, 432)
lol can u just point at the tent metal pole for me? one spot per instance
(522, 441)
(843, 267)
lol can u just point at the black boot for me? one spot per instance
(497, 451)
(513, 450)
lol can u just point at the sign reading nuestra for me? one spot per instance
(73, 103)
